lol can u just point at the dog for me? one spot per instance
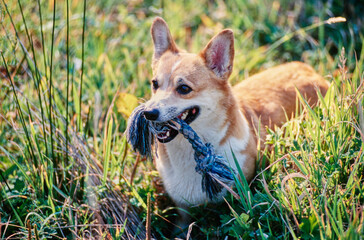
(195, 88)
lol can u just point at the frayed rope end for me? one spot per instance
(138, 132)
(212, 175)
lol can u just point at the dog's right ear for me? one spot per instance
(162, 38)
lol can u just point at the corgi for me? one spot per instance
(196, 89)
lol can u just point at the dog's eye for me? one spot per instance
(155, 84)
(183, 89)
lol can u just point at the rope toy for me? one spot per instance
(212, 167)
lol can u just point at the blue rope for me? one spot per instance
(211, 166)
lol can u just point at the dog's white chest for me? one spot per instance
(177, 169)
(176, 165)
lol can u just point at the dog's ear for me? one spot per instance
(162, 38)
(219, 54)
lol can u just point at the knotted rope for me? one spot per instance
(211, 166)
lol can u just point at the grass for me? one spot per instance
(67, 68)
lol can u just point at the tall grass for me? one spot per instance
(67, 171)
(314, 188)
(63, 192)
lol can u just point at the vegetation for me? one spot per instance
(72, 71)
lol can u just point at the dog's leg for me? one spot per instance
(182, 224)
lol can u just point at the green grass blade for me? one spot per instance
(107, 149)
(50, 117)
(82, 66)
(68, 75)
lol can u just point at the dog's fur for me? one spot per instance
(229, 116)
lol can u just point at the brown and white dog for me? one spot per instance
(195, 88)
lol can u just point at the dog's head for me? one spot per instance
(185, 85)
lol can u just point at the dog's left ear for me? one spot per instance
(219, 54)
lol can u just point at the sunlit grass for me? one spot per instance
(67, 171)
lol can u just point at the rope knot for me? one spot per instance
(204, 165)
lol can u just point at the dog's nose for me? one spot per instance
(151, 114)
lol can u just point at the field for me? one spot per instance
(71, 72)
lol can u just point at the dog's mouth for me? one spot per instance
(167, 133)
